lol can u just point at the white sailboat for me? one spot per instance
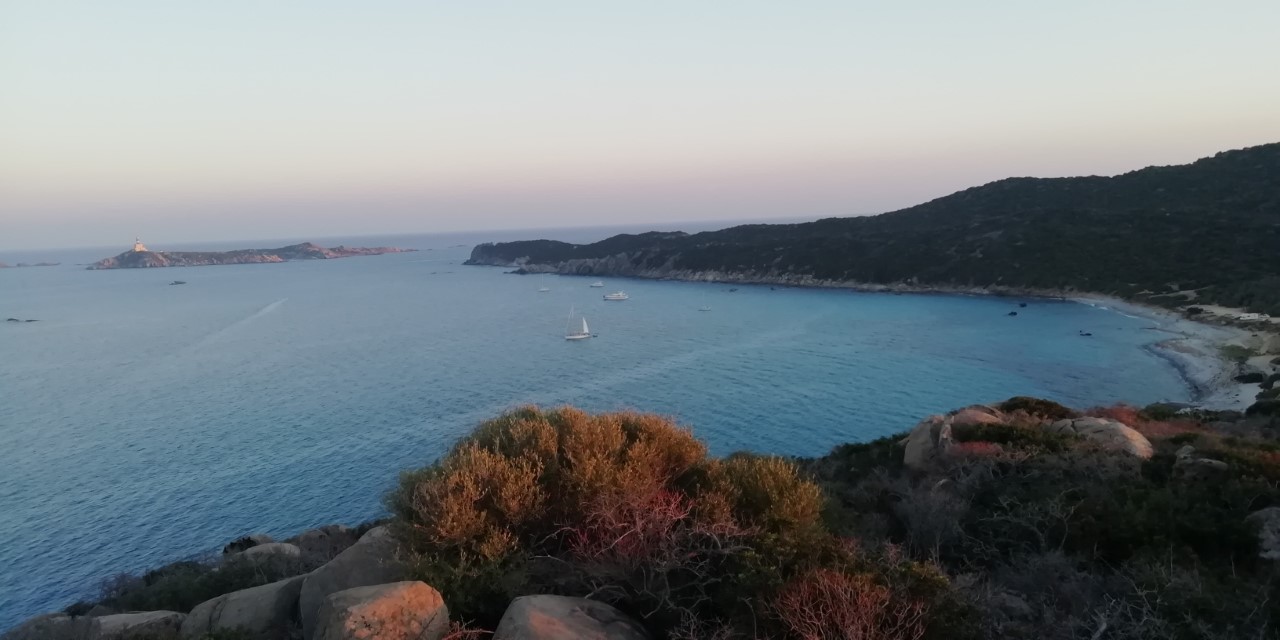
(580, 334)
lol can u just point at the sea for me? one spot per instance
(143, 423)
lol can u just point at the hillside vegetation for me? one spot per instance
(1211, 227)
(1017, 530)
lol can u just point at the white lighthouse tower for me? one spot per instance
(138, 246)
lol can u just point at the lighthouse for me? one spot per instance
(138, 246)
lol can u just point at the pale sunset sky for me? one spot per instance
(185, 121)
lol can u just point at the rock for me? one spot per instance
(247, 542)
(933, 437)
(1194, 467)
(152, 625)
(272, 550)
(976, 414)
(1271, 381)
(370, 561)
(563, 618)
(922, 443)
(53, 626)
(397, 611)
(1268, 521)
(257, 610)
(97, 611)
(1251, 377)
(1111, 435)
(325, 543)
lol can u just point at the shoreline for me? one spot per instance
(1193, 349)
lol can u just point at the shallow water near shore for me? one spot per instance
(141, 423)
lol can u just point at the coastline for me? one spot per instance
(1193, 348)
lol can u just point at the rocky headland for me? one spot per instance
(22, 265)
(303, 251)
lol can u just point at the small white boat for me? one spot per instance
(704, 308)
(597, 284)
(616, 295)
(577, 334)
(544, 289)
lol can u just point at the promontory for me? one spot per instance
(140, 257)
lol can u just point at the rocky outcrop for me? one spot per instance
(151, 625)
(258, 610)
(1190, 466)
(933, 437)
(370, 561)
(325, 543)
(240, 544)
(397, 611)
(304, 251)
(53, 626)
(1108, 434)
(272, 550)
(1268, 523)
(563, 618)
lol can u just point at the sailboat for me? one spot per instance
(581, 334)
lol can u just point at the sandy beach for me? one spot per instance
(1195, 350)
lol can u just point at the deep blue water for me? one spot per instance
(141, 423)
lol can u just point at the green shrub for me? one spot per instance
(1015, 437)
(1037, 407)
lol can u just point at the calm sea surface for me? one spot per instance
(141, 423)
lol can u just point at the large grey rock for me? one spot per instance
(562, 618)
(272, 550)
(397, 611)
(151, 625)
(1192, 467)
(372, 560)
(325, 543)
(53, 626)
(922, 444)
(247, 542)
(1268, 522)
(258, 610)
(932, 437)
(1110, 435)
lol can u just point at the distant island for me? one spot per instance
(28, 264)
(141, 258)
(1206, 233)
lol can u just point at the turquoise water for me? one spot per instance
(141, 422)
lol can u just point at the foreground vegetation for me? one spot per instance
(1203, 233)
(1015, 531)
(1018, 534)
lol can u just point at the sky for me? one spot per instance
(192, 121)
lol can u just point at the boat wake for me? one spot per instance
(213, 337)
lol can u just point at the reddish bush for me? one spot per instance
(834, 605)
(1133, 417)
(1118, 412)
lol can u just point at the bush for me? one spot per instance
(1012, 437)
(832, 604)
(627, 507)
(1047, 409)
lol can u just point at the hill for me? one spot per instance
(1206, 232)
